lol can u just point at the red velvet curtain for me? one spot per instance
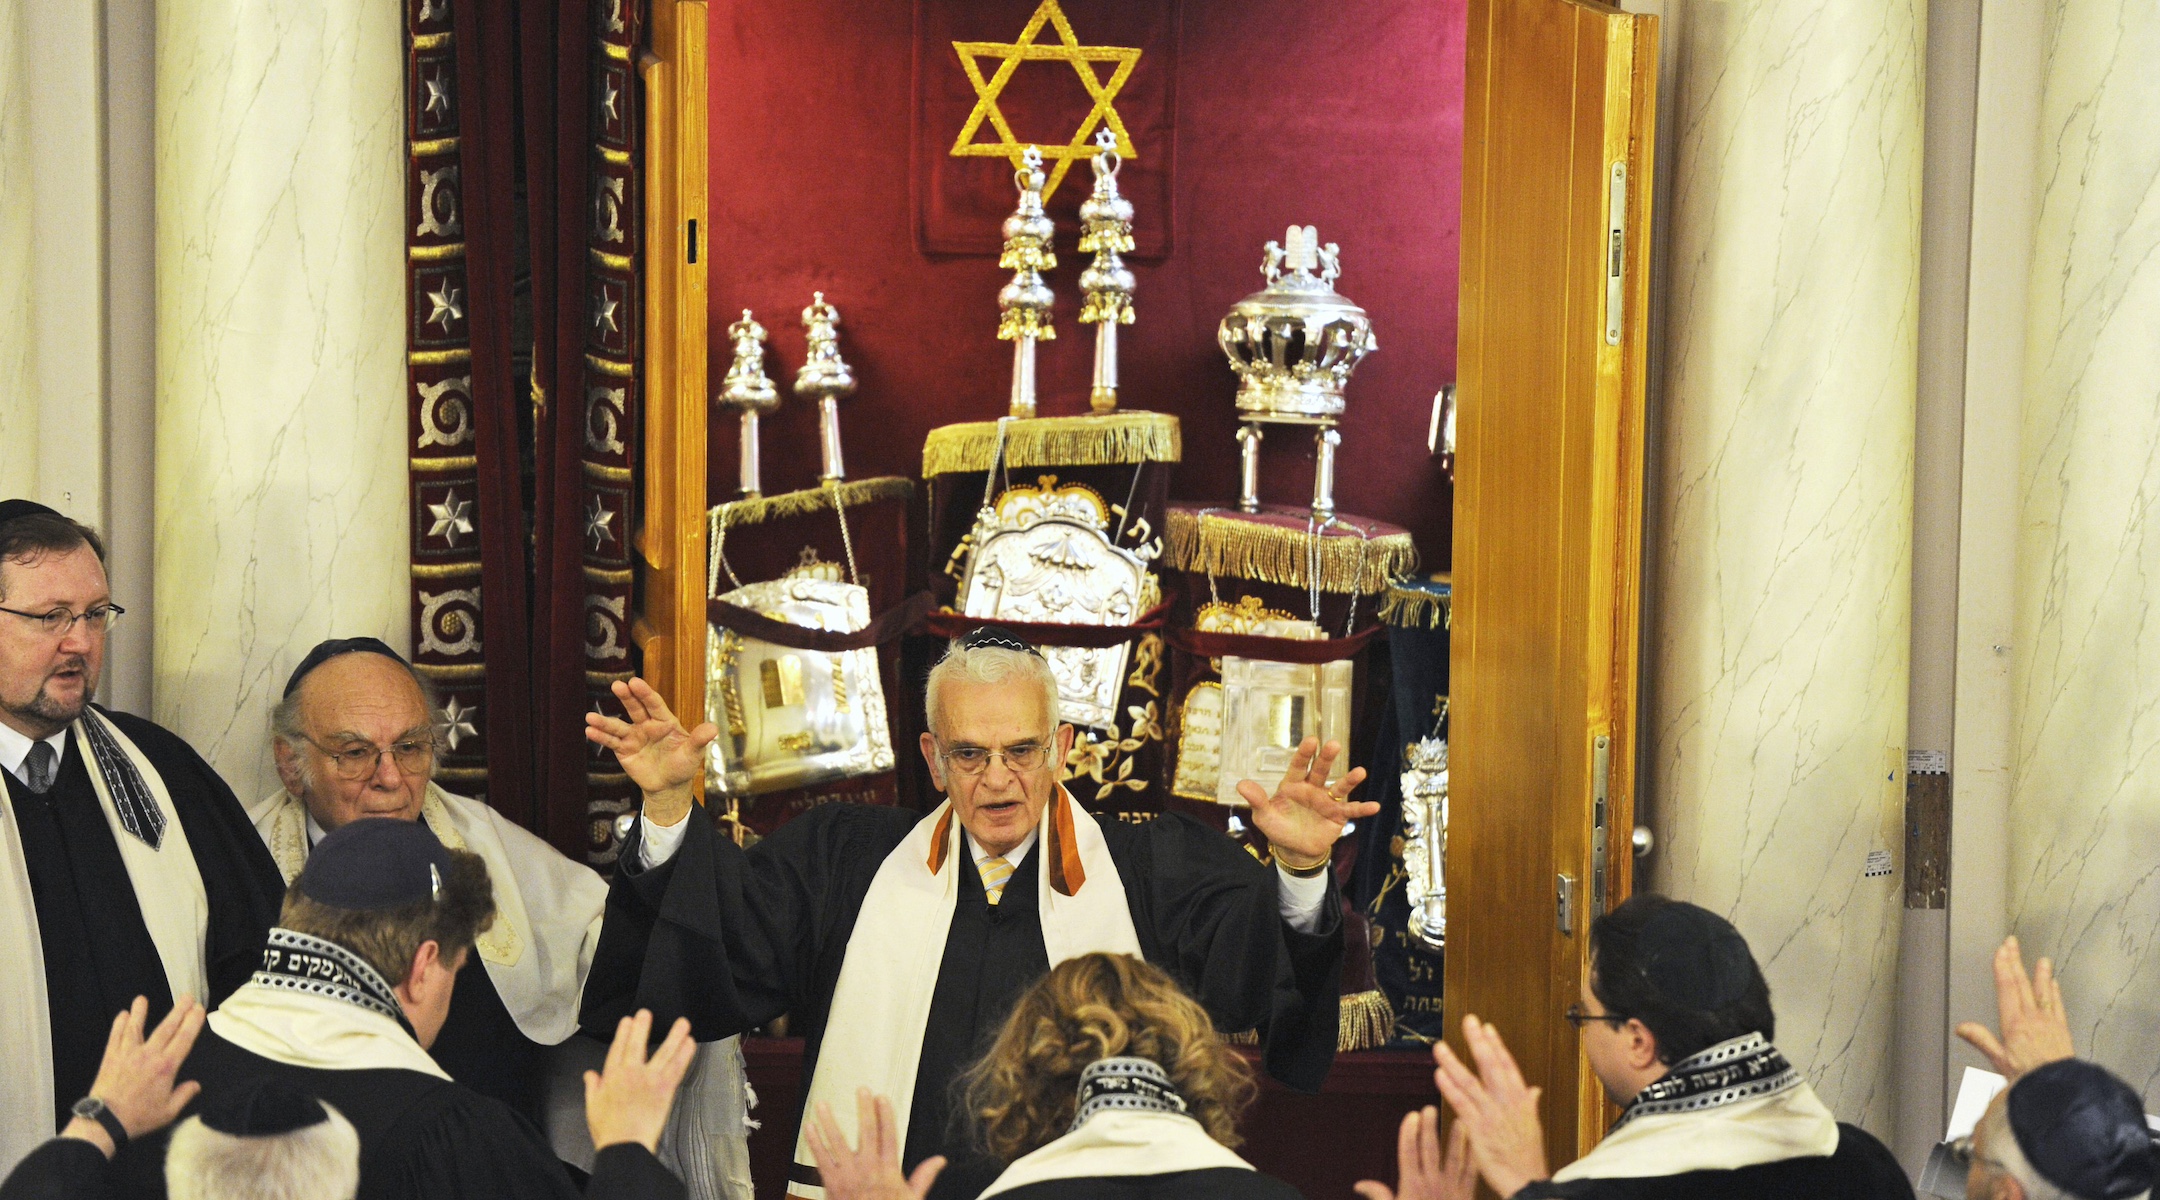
(532, 105)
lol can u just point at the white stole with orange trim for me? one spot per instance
(881, 1005)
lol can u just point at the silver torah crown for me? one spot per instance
(1295, 342)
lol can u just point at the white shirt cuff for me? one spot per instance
(658, 843)
(1300, 898)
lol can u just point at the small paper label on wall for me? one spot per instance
(1927, 760)
(1878, 864)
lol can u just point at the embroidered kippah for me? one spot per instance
(991, 637)
(325, 651)
(11, 510)
(266, 1109)
(1694, 957)
(375, 863)
(2083, 1129)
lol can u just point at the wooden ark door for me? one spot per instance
(1548, 518)
(670, 623)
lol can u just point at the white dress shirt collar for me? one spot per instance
(15, 750)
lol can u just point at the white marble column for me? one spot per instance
(2085, 654)
(281, 472)
(18, 395)
(1782, 501)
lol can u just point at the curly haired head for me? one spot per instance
(1023, 1093)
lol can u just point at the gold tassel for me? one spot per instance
(759, 509)
(1415, 607)
(1224, 544)
(1125, 436)
(1367, 1021)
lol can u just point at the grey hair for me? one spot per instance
(285, 716)
(987, 664)
(2003, 1150)
(320, 1162)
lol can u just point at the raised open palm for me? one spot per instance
(1305, 815)
(655, 751)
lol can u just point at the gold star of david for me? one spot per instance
(1026, 49)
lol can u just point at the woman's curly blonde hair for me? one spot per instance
(1023, 1092)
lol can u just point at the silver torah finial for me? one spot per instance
(825, 378)
(1106, 229)
(1293, 345)
(1425, 815)
(747, 390)
(1024, 302)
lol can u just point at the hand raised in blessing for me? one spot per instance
(870, 1171)
(135, 1078)
(628, 1100)
(1493, 1108)
(1306, 815)
(2035, 1028)
(655, 751)
(1420, 1172)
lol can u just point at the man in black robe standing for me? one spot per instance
(127, 867)
(897, 941)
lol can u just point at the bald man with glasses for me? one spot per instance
(127, 867)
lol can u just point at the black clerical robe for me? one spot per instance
(738, 937)
(98, 952)
(421, 1137)
(1862, 1168)
(1214, 1183)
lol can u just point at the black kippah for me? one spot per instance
(11, 510)
(325, 651)
(992, 637)
(375, 863)
(1694, 957)
(2082, 1129)
(265, 1109)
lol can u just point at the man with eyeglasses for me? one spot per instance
(355, 737)
(895, 941)
(127, 867)
(1677, 1025)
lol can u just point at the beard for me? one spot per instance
(50, 709)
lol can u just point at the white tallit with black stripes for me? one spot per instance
(168, 888)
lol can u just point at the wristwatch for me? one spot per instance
(94, 1109)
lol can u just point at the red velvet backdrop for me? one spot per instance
(1346, 117)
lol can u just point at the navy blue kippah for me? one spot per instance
(325, 651)
(375, 863)
(15, 509)
(266, 1109)
(990, 636)
(1694, 957)
(2082, 1129)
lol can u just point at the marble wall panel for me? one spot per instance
(1783, 490)
(2085, 799)
(18, 396)
(280, 472)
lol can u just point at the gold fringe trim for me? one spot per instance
(1241, 1037)
(435, 253)
(1367, 1021)
(460, 774)
(757, 510)
(1224, 545)
(1092, 441)
(429, 149)
(451, 671)
(1412, 608)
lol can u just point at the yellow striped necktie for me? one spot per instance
(995, 871)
